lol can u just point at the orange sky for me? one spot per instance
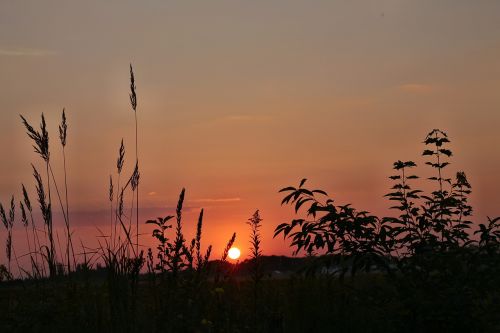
(238, 99)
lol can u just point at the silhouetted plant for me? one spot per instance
(160, 233)
(133, 182)
(175, 250)
(119, 166)
(435, 222)
(5, 275)
(173, 255)
(63, 132)
(41, 139)
(40, 270)
(201, 260)
(407, 226)
(41, 146)
(121, 257)
(229, 245)
(183, 270)
(489, 240)
(170, 254)
(35, 272)
(133, 103)
(255, 239)
(45, 208)
(256, 269)
(461, 191)
(440, 223)
(8, 222)
(437, 209)
(335, 230)
(222, 268)
(111, 220)
(439, 272)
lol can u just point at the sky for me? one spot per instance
(237, 99)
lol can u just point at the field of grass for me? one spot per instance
(366, 303)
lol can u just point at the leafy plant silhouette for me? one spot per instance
(338, 230)
(428, 249)
(435, 222)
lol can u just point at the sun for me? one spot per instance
(234, 253)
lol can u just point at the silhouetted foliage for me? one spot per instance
(439, 270)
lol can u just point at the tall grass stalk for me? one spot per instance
(63, 210)
(179, 237)
(133, 103)
(63, 131)
(41, 146)
(119, 167)
(197, 242)
(8, 222)
(110, 198)
(229, 245)
(8, 245)
(124, 227)
(36, 239)
(46, 210)
(25, 222)
(223, 259)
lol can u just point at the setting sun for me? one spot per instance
(234, 253)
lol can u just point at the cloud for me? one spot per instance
(218, 200)
(25, 52)
(152, 193)
(417, 88)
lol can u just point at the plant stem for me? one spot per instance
(137, 189)
(49, 228)
(68, 232)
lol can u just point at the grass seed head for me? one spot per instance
(12, 212)
(63, 128)
(110, 188)
(133, 96)
(41, 139)
(228, 246)
(27, 201)
(3, 216)
(121, 158)
(24, 219)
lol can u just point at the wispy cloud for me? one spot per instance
(417, 88)
(25, 52)
(217, 200)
